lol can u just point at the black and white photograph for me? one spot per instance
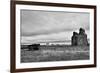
(54, 36)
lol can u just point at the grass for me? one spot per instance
(55, 53)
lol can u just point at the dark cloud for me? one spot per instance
(50, 25)
(46, 32)
(45, 22)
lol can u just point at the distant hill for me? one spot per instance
(52, 41)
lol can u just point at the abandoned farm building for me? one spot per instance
(79, 38)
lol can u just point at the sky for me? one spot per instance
(43, 26)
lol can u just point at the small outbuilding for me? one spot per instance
(33, 47)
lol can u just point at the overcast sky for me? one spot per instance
(39, 26)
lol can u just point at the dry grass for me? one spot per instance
(55, 53)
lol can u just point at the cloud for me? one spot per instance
(50, 37)
(50, 25)
(45, 22)
(41, 38)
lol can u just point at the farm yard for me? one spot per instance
(55, 53)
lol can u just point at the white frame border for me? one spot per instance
(52, 64)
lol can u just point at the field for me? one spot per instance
(55, 53)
